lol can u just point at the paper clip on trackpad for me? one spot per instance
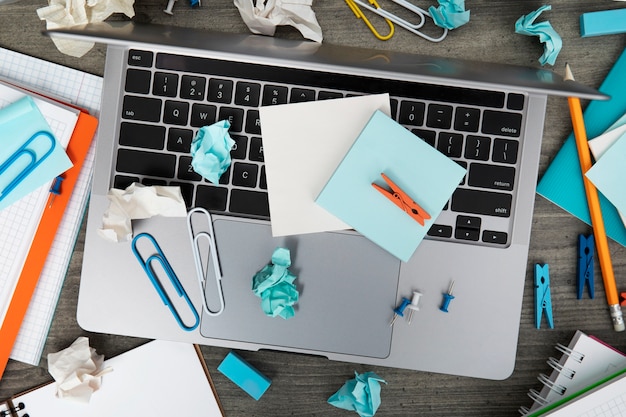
(158, 259)
(205, 233)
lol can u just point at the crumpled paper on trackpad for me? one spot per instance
(138, 201)
(77, 371)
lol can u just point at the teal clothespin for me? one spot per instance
(585, 265)
(543, 301)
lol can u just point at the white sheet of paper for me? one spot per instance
(303, 143)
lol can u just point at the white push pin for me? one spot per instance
(170, 7)
(414, 306)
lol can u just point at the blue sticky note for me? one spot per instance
(19, 123)
(422, 172)
(608, 174)
(604, 22)
(562, 183)
(244, 375)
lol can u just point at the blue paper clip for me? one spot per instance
(200, 270)
(23, 151)
(159, 257)
(543, 301)
(585, 265)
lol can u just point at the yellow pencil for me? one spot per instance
(599, 233)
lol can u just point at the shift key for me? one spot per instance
(481, 202)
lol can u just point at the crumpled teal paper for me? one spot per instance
(450, 14)
(274, 285)
(361, 394)
(526, 25)
(210, 150)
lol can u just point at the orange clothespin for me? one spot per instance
(402, 200)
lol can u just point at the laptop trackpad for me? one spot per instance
(347, 289)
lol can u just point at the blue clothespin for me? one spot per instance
(543, 302)
(585, 265)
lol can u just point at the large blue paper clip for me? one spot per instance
(585, 265)
(159, 257)
(209, 236)
(543, 301)
(24, 152)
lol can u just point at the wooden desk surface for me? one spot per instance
(302, 384)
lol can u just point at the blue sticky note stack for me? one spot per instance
(422, 172)
(604, 22)
(563, 182)
(244, 375)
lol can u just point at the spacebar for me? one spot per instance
(249, 202)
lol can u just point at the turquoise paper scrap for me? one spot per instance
(553, 43)
(274, 285)
(562, 183)
(424, 173)
(19, 121)
(210, 150)
(361, 394)
(608, 174)
(450, 14)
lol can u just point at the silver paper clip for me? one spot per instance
(160, 258)
(411, 27)
(24, 151)
(200, 270)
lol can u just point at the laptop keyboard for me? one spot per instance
(169, 97)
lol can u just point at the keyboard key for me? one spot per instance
(247, 94)
(176, 112)
(468, 222)
(186, 171)
(245, 175)
(505, 151)
(253, 122)
(326, 95)
(179, 140)
(515, 101)
(274, 94)
(411, 113)
(240, 147)
(137, 81)
(203, 115)
(263, 179)
(481, 202)
(139, 58)
(192, 87)
(502, 123)
(142, 136)
(450, 144)
(440, 230)
(439, 116)
(497, 177)
(256, 150)
(234, 116)
(146, 163)
(466, 119)
(428, 136)
(298, 95)
(141, 108)
(153, 181)
(477, 147)
(467, 234)
(121, 182)
(220, 91)
(186, 190)
(165, 84)
(490, 236)
(249, 202)
(211, 197)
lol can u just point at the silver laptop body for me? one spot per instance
(348, 286)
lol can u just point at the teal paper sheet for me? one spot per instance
(563, 182)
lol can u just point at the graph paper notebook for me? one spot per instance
(584, 361)
(156, 379)
(83, 90)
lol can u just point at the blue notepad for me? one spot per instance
(422, 172)
(563, 182)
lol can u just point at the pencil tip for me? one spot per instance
(568, 73)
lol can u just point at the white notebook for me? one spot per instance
(156, 379)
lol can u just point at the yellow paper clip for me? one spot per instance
(20, 153)
(411, 27)
(209, 236)
(359, 15)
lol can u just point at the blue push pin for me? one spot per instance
(447, 297)
(399, 311)
(56, 188)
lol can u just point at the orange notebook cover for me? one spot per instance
(77, 151)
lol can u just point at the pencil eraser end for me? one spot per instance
(244, 375)
(619, 327)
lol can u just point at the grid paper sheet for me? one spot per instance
(83, 90)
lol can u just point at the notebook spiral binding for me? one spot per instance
(13, 410)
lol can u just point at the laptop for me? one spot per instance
(162, 83)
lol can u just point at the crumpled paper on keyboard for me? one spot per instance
(66, 13)
(450, 14)
(526, 25)
(274, 285)
(265, 16)
(138, 201)
(77, 371)
(210, 150)
(361, 394)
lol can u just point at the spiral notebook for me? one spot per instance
(583, 362)
(156, 379)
